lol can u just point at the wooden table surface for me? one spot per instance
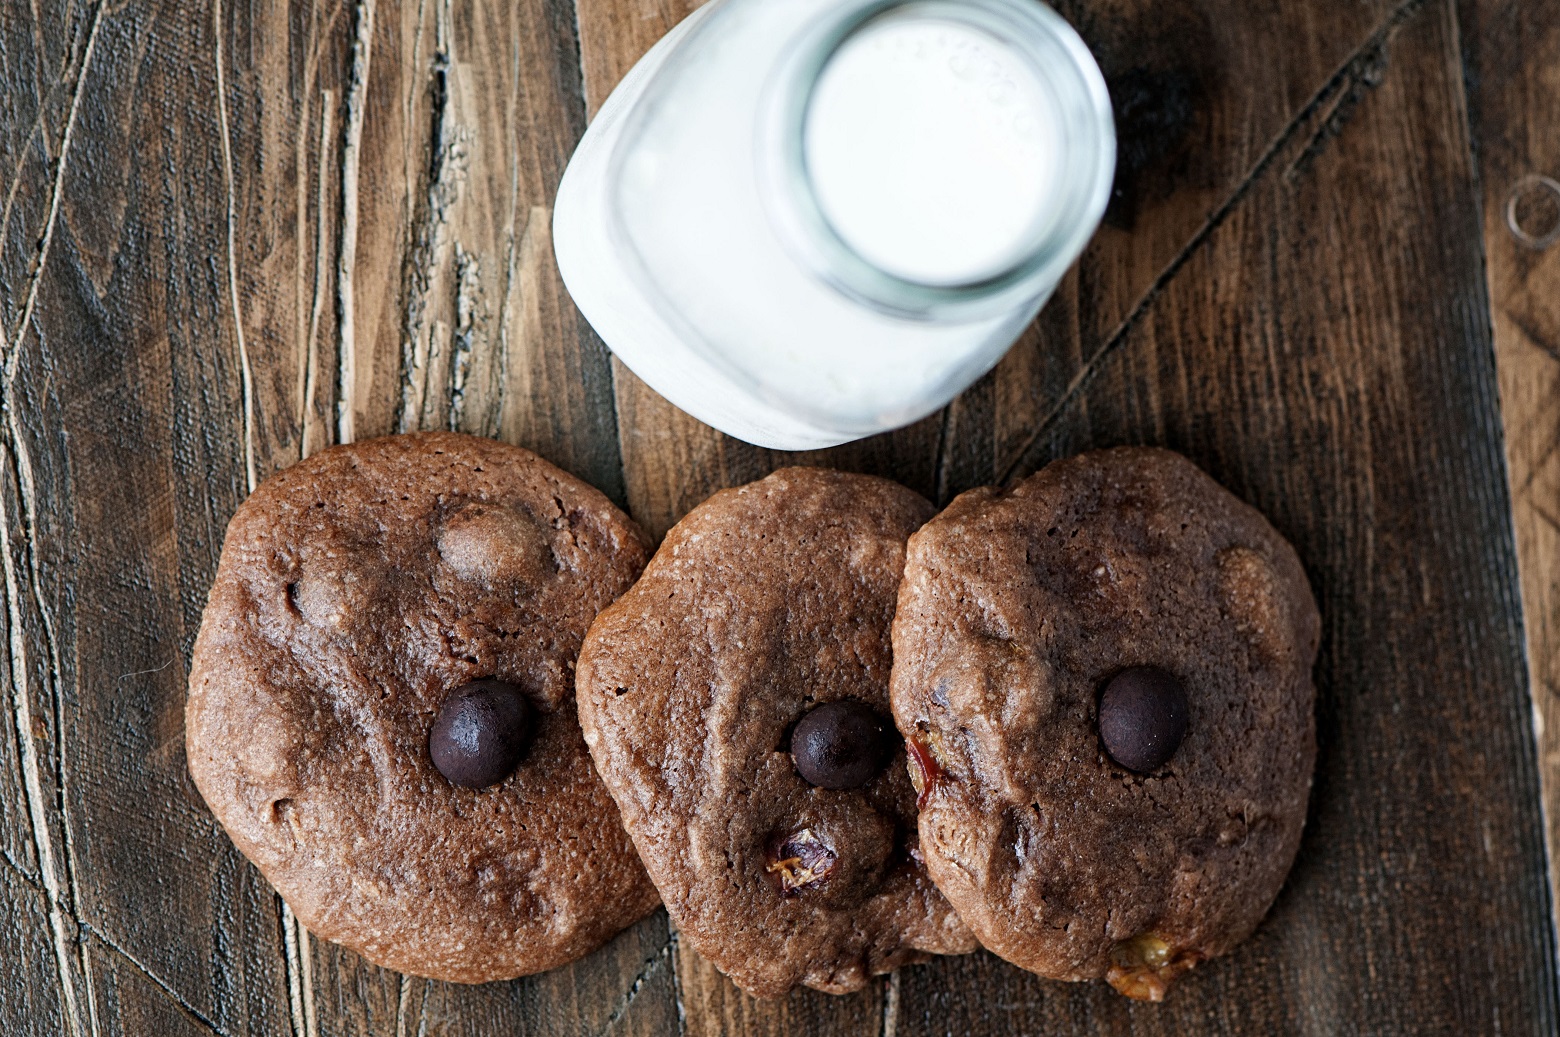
(235, 232)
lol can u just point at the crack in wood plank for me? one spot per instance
(579, 61)
(168, 991)
(35, 275)
(346, 254)
(245, 370)
(423, 272)
(1339, 81)
(1364, 72)
(310, 361)
(890, 1024)
(36, 882)
(38, 817)
(647, 970)
(298, 965)
(16, 177)
(468, 292)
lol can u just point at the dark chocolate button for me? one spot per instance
(841, 745)
(1143, 717)
(480, 733)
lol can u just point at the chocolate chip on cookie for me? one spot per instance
(1143, 716)
(1105, 678)
(736, 703)
(480, 732)
(381, 706)
(842, 745)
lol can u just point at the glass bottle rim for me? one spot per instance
(1058, 56)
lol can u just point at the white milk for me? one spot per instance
(803, 227)
(932, 149)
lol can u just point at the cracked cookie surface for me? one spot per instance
(1016, 610)
(764, 604)
(356, 591)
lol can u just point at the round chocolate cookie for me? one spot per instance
(736, 703)
(381, 708)
(1105, 678)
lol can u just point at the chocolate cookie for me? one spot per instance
(1105, 677)
(381, 708)
(736, 703)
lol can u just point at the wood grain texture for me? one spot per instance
(1202, 89)
(399, 256)
(1512, 53)
(1324, 353)
(232, 233)
(32, 995)
(180, 191)
(1220, 312)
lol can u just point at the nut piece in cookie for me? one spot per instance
(736, 704)
(1105, 678)
(381, 705)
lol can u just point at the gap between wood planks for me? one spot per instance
(1512, 143)
(1357, 75)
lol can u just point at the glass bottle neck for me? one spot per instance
(937, 159)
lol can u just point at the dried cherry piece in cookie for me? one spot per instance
(800, 861)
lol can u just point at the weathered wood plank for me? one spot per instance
(30, 995)
(1324, 353)
(468, 114)
(81, 70)
(33, 51)
(94, 568)
(1318, 344)
(1202, 88)
(45, 55)
(425, 226)
(1208, 98)
(1512, 52)
(183, 342)
(128, 999)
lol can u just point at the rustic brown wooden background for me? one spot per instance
(234, 231)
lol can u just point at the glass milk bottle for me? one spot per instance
(807, 221)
